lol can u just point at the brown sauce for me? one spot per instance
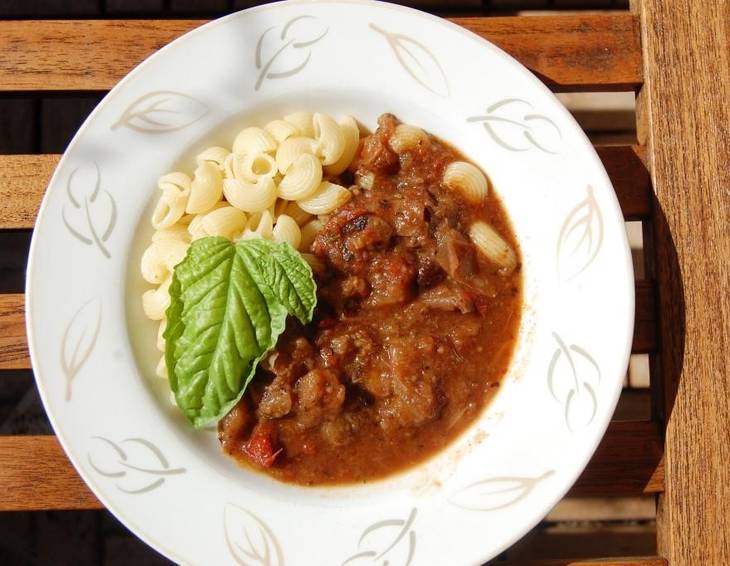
(413, 331)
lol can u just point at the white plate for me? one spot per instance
(93, 353)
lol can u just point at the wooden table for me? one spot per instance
(675, 56)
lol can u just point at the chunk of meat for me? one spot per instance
(446, 297)
(430, 273)
(234, 426)
(367, 233)
(345, 240)
(262, 448)
(276, 400)
(412, 217)
(391, 279)
(319, 388)
(375, 154)
(455, 254)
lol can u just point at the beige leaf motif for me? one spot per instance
(417, 60)
(572, 378)
(284, 54)
(160, 112)
(496, 493)
(136, 465)
(90, 213)
(514, 125)
(390, 542)
(78, 341)
(250, 540)
(580, 238)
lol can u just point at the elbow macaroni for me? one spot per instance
(325, 199)
(269, 185)
(467, 179)
(406, 137)
(302, 178)
(330, 138)
(492, 245)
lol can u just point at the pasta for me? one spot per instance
(281, 130)
(492, 245)
(269, 185)
(259, 225)
(160, 337)
(195, 228)
(253, 140)
(177, 231)
(292, 209)
(302, 178)
(330, 139)
(351, 135)
(309, 232)
(326, 198)
(156, 301)
(250, 197)
(206, 188)
(467, 179)
(175, 189)
(406, 137)
(287, 230)
(291, 149)
(303, 123)
(226, 221)
(161, 369)
(215, 155)
(160, 258)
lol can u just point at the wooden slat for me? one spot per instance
(36, 475)
(630, 178)
(577, 52)
(637, 561)
(13, 342)
(645, 319)
(23, 180)
(684, 116)
(626, 463)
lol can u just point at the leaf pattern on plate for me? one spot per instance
(137, 465)
(160, 112)
(78, 340)
(92, 213)
(417, 61)
(284, 54)
(495, 493)
(515, 126)
(571, 379)
(580, 238)
(249, 539)
(391, 542)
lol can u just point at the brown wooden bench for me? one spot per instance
(676, 181)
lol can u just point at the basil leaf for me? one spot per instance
(228, 306)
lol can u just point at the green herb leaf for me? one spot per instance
(228, 306)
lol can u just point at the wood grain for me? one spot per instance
(577, 52)
(24, 178)
(628, 461)
(684, 118)
(637, 561)
(13, 342)
(35, 473)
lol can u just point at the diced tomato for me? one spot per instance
(262, 446)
